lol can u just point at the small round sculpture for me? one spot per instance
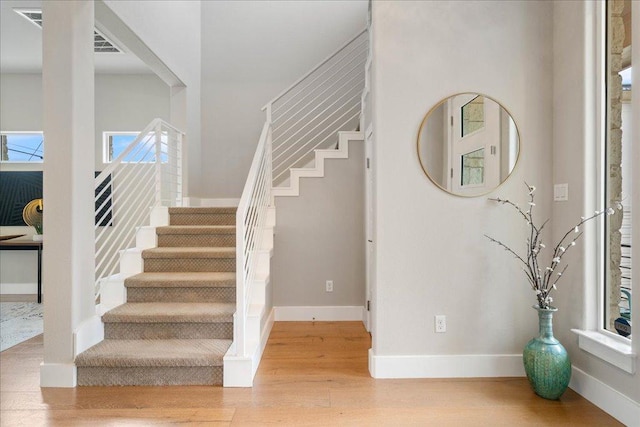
(32, 214)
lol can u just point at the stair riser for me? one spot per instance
(202, 219)
(150, 376)
(150, 331)
(181, 295)
(190, 264)
(196, 240)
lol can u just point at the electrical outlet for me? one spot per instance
(441, 323)
(329, 286)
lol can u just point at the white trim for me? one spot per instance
(317, 171)
(606, 398)
(240, 371)
(58, 375)
(27, 288)
(611, 350)
(90, 333)
(446, 366)
(344, 313)
(264, 337)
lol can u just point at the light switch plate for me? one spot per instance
(561, 192)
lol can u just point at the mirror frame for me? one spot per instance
(424, 121)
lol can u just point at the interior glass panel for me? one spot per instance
(472, 116)
(473, 168)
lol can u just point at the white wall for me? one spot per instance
(128, 103)
(251, 51)
(171, 30)
(319, 236)
(122, 103)
(574, 136)
(431, 255)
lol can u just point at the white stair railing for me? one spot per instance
(251, 219)
(310, 113)
(147, 173)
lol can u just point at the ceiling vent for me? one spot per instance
(101, 44)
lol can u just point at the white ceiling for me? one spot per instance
(21, 45)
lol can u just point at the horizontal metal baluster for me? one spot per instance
(129, 234)
(354, 97)
(124, 178)
(358, 63)
(288, 166)
(321, 114)
(351, 46)
(119, 228)
(324, 100)
(132, 174)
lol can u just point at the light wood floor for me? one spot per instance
(311, 374)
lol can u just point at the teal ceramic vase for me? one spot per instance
(546, 361)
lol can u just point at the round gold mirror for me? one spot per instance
(468, 144)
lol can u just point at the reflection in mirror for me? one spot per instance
(473, 168)
(472, 115)
(468, 144)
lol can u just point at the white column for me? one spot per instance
(68, 124)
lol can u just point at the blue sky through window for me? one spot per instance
(119, 142)
(23, 147)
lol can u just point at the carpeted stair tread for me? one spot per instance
(182, 280)
(202, 210)
(190, 253)
(170, 312)
(148, 353)
(196, 229)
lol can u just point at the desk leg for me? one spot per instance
(39, 274)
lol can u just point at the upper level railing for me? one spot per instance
(147, 173)
(251, 218)
(309, 114)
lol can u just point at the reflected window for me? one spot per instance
(473, 168)
(472, 116)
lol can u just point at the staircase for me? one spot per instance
(187, 297)
(177, 322)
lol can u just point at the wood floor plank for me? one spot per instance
(312, 373)
(120, 417)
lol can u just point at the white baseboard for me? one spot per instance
(88, 334)
(264, 337)
(318, 313)
(446, 366)
(18, 288)
(58, 375)
(606, 398)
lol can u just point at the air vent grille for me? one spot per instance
(101, 44)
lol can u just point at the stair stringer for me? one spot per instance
(317, 171)
(238, 370)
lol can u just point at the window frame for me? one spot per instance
(106, 135)
(595, 339)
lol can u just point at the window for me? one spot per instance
(617, 308)
(21, 147)
(115, 143)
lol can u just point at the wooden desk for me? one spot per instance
(26, 245)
